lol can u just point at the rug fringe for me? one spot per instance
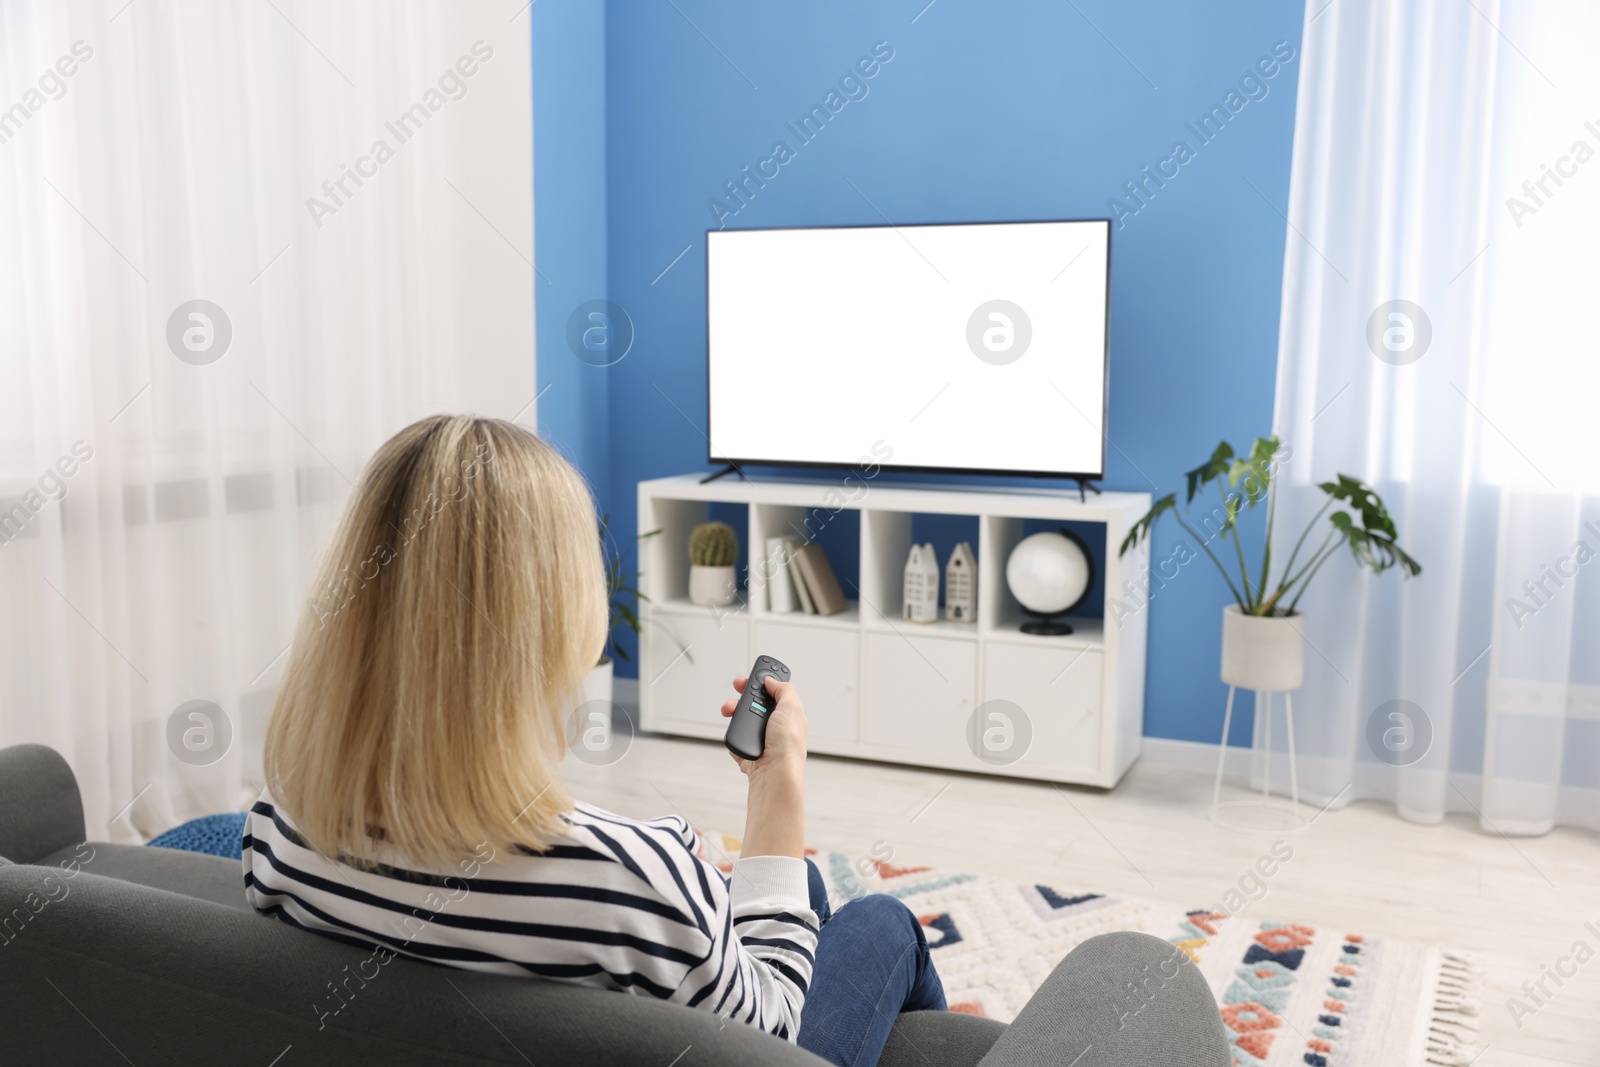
(1453, 1024)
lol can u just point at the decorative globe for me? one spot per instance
(1048, 573)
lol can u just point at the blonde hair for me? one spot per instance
(458, 608)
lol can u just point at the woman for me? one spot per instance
(412, 801)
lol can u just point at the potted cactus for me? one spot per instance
(713, 548)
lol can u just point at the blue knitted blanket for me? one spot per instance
(215, 835)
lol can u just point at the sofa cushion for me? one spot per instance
(207, 877)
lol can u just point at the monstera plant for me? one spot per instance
(1357, 520)
(1263, 639)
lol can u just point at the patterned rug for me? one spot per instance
(1290, 993)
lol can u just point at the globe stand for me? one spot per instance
(1047, 624)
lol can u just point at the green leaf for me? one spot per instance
(1254, 471)
(1372, 542)
(1357, 494)
(1209, 471)
(1141, 529)
(1378, 553)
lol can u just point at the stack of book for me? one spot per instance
(799, 578)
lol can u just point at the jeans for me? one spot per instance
(872, 964)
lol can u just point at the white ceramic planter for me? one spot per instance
(1266, 654)
(713, 587)
(597, 686)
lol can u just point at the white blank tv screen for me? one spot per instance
(953, 347)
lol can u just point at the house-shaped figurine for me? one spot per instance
(961, 585)
(922, 585)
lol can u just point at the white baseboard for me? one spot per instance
(1192, 755)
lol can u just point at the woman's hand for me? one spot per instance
(775, 815)
(785, 748)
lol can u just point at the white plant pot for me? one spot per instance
(713, 587)
(1263, 653)
(597, 686)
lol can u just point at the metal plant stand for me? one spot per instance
(1264, 814)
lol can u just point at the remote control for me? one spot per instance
(747, 730)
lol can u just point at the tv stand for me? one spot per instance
(943, 694)
(731, 469)
(1083, 484)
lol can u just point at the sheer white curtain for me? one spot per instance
(1437, 342)
(168, 470)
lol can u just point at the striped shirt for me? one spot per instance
(616, 904)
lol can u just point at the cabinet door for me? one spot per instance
(1059, 692)
(825, 665)
(686, 690)
(920, 693)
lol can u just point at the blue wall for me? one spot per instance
(1001, 110)
(569, 225)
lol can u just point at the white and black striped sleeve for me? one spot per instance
(761, 934)
(764, 944)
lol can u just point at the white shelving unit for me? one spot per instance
(877, 687)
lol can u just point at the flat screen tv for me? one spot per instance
(976, 348)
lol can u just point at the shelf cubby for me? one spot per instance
(886, 540)
(836, 531)
(664, 558)
(1001, 615)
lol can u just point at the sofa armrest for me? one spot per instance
(40, 810)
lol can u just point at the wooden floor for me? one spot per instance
(1519, 904)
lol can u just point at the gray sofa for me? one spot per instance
(115, 953)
